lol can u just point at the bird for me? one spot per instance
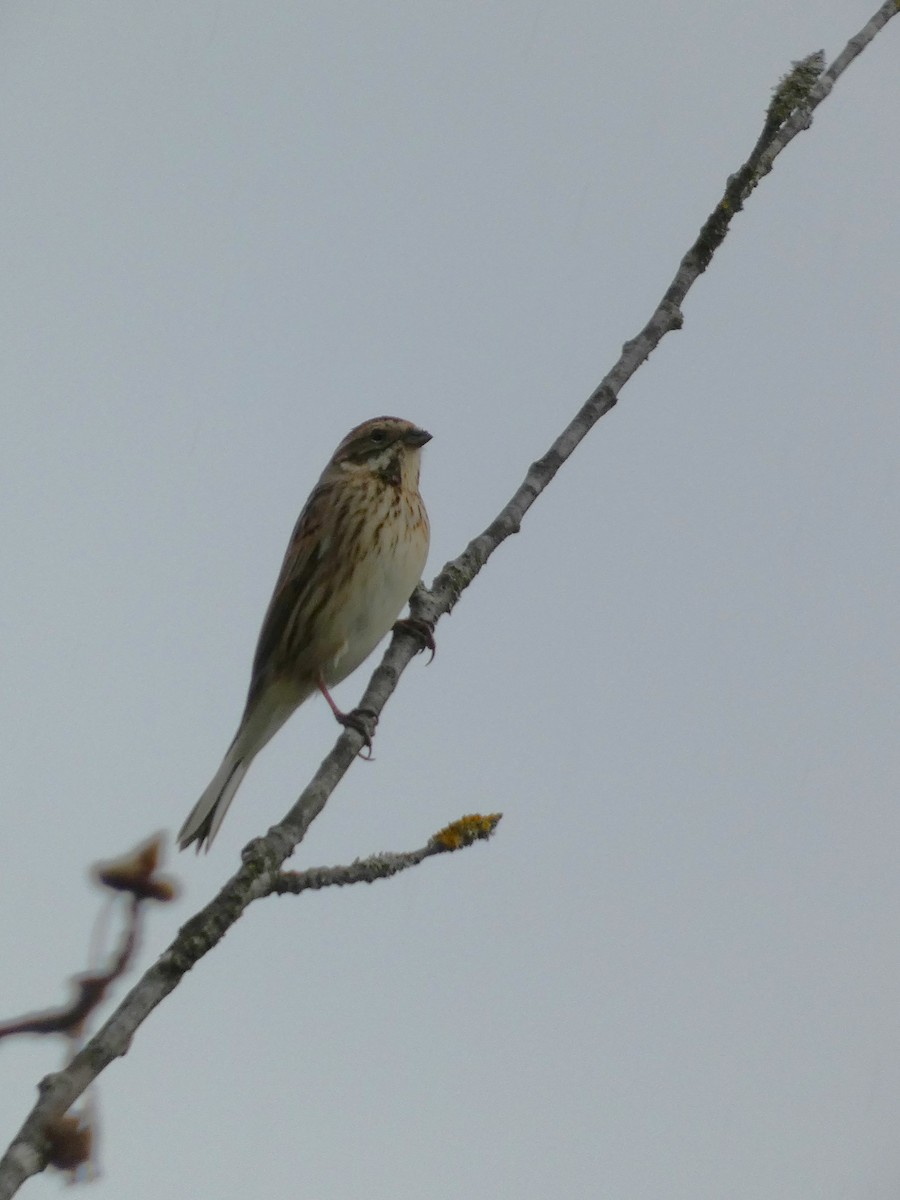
(355, 556)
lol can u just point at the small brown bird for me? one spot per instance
(355, 556)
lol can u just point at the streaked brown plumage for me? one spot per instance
(356, 554)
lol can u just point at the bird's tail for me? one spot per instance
(208, 813)
(262, 719)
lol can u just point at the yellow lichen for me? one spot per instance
(466, 830)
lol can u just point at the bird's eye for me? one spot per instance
(378, 436)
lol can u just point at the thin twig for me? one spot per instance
(461, 833)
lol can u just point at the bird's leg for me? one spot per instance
(423, 631)
(360, 719)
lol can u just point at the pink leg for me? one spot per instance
(351, 720)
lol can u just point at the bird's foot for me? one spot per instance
(363, 720)
(423, 631)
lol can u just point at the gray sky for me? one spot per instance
(231, 232)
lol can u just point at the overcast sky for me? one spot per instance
(229, 233)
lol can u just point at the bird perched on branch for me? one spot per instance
(355, 556)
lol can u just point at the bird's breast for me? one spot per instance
(390, 564)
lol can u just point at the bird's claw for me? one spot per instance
(422, 630)
(363, 720)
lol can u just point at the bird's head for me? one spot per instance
(388, 447)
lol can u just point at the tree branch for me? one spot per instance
(795, 98)
(801, 119)
(461, 833)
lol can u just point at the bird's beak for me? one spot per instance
(417, 437)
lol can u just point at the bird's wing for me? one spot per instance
(300, 591)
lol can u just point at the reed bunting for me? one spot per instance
(356, 554)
